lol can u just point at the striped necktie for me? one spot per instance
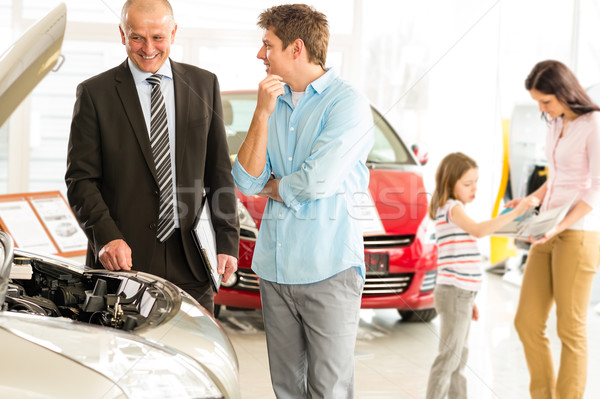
(159, 141)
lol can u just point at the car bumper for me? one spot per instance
(408, 284)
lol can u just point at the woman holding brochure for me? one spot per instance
(562, 263)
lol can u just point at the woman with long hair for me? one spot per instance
(561, 265)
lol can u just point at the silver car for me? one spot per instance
(73, 332)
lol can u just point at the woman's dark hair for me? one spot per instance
(553, 77)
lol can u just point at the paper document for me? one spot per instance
(60, 223)
(532, 224)
(204, 237)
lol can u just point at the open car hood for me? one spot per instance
(29, 59)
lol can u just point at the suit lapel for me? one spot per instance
(131, 104)
(182, 107)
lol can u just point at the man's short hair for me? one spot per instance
(299, 21)
(148, 6)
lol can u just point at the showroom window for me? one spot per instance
(52, 107)
(77, 10)
(3, 158)
(218, 36)
(6, 32)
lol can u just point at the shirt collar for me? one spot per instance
(140, 76)
(323, 81)
(318, 85)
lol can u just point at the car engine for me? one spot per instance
(122, 300)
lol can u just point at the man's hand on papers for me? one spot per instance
(227, 265)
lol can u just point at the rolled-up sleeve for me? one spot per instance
(245, 182)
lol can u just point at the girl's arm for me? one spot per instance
(481, 229)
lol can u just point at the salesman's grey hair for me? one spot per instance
(146, 6)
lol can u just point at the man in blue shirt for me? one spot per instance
(306, 150)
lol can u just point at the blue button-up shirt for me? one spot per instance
(318, 149)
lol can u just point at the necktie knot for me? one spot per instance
(154, 79)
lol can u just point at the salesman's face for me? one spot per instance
(148, 37)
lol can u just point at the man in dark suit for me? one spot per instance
(113, 183)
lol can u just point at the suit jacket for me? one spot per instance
(112, 185)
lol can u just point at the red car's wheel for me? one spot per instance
(424, 315)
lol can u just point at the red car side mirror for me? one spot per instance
(422, 156)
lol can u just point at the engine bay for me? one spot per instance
(121, 300)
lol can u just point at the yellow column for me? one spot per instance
(502, 248)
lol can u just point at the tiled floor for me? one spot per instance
(393, 358)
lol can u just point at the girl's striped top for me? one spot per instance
(459, 260)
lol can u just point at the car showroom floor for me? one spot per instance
(393, 358)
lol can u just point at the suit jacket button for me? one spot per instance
(152, 226)
(155, 192)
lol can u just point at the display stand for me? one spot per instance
(42, 222)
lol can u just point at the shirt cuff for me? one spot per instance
(285, 192)
(246, 183)
(592, 198)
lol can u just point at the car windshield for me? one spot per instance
(238, 109)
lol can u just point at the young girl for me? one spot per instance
(459, 268)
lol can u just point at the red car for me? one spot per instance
(400, 250)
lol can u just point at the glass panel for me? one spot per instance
(237, 114)
(5, 23)
(6, 32)
(52, 107)
(104, 11)
(242, 14)
(4, 158)
(388, 147)
(238, 109)
(208, 14)
(225, 62)
(588, 60)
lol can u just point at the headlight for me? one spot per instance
(428, 227)
(248, 228)
(142, 369)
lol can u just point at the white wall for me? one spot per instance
(447, 72)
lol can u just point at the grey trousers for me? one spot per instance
(311, 332)
(455, 307)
